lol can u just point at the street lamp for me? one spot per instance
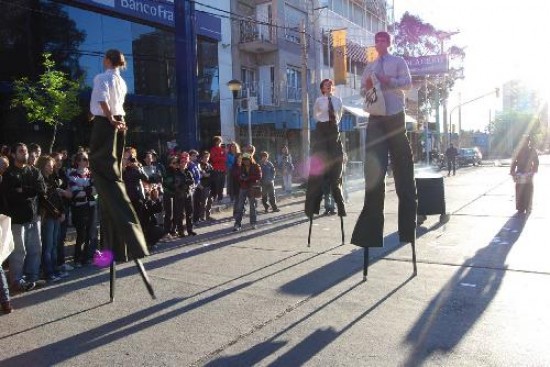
(235, 86)
(496, 91)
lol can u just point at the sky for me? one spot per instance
(503, 40)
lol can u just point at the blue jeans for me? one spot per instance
(25, 258)
(243, 195)
(4, 287)
(50, 236)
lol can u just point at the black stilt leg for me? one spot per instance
(365, 263)
(413, 245)
(112, 281)
(146, 278)
(342, 228)
(309, 235)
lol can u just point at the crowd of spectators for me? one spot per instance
(42, 195)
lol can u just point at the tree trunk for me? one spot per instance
(52, 143)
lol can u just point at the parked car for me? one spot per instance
(468, 156)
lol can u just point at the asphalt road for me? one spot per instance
(263, 298)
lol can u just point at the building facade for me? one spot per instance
(77, 33)
(271, 53)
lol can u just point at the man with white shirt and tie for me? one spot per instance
(387, 134)
(326, 152)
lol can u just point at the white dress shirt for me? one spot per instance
(109, 87)
(397, 70)
(320, 108)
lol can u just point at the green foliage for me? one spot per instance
(52, 99)
(414, 38)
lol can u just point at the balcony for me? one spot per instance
(263, 92)
(257, 37)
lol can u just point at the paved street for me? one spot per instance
(263, 298)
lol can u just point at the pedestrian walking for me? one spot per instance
(524, 166)
(451, 153)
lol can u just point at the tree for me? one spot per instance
(414, 38)
(52, 99)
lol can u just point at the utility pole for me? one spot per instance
(305, 100)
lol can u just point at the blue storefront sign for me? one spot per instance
(159, 12)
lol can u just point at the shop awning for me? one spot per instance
(282, 119)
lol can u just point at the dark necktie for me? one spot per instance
(331, 114)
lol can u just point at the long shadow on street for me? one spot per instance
(457, 307)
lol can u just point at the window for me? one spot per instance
(357, 14)
(248, 77)
(293, 19)
(293, 84)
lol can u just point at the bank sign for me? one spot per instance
(160, 12)
(428, 65)
(157, 12)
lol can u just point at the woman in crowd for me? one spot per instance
(232, 185)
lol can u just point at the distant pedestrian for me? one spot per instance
(287, 168)
(268, 182)
(524, 166)
(451, 153)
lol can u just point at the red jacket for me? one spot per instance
(218, 158)
(246, 180)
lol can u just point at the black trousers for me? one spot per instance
(119, 222)
(326, 167)
(387, 134)
(524, 196)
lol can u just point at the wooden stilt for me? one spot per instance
(342, 228)
(413, 246)
(112, 280)
(309, 235)
(365, 263)
(145, 278)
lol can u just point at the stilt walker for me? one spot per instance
(327, 155)
(120, 225)
(386, 135)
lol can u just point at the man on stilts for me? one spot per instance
(386, 134)
(327, 155)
